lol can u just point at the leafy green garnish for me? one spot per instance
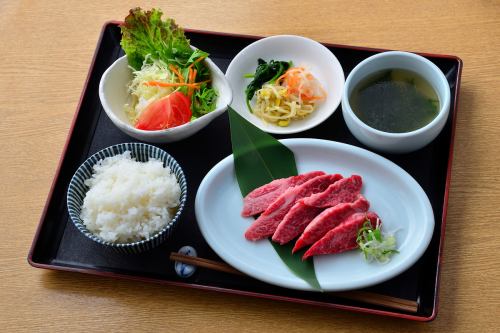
(147, 38)
(203, 101)
(265, 72)
(145, 33)
(375, 245)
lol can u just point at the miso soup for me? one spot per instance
(394, 100)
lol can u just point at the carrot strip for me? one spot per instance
(196, 61)
(284, 75)
(176, 71)
(190, 76)
(166, 84)
(201, 82)
(312, 98)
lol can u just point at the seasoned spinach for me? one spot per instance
(265, 72)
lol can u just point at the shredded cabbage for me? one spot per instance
(142, 95)
(375, 245)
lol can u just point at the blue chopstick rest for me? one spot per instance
(184, 270)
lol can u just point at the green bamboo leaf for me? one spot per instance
(303, 269)
(258, 159)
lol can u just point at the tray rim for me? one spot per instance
(89, 271)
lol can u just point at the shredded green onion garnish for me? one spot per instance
(375, 245)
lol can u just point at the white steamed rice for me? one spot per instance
(129, 200)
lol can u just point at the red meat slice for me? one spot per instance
(259, 199)
(342, 237)
(298, 218)
(345, 190)
(295, 222)
(268, 221)
(329, 219)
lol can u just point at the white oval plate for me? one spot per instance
(393, 194)
(303, 52)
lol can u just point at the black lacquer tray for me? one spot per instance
(59, 245)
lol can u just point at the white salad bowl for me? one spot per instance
(302, 52)
(114, 95)
(397, 142)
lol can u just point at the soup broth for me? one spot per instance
(395, 100)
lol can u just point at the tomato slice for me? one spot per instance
(167, 112)
(187, 104)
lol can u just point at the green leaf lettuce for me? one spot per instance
(145, 33)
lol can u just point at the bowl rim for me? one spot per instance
(327, 114)
(151, 134)
(88, 165)
(443, 110)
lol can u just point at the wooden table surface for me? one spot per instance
(45, 50)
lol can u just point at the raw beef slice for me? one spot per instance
(296, 220)
(345, 190)
(342, 237)
(268, 221)
(259, 199)
(329, 219)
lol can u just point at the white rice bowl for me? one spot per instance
(127, 200)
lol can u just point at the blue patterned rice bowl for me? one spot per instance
(141, 152)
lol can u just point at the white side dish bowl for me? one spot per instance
(302, 52)
(114, 95)
(397, 142)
